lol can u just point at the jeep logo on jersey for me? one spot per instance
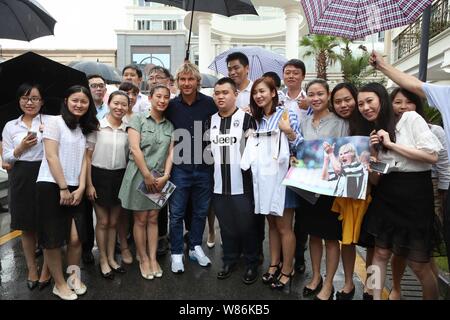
(223, 140)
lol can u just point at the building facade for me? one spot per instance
(403, 45)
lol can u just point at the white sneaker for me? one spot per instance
(198, 255)
(177, 263)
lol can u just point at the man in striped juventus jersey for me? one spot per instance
(233, 194)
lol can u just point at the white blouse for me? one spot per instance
(13, 134)
(411, 131)
(110, 146)
(71, 148)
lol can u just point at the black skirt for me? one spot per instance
(22, 195)
(401, 215)
(318, 219)
(54, 220)
(107, 185)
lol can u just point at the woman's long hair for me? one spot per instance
(359, 126)
(344, 85)
(258, 112)
(414, 98)
(88, 122)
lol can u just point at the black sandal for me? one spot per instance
(268, 278)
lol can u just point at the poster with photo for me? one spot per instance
(334, 167)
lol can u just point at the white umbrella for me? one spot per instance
(260, 61)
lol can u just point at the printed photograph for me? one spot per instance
(334, 167)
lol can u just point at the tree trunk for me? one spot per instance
(321, 65)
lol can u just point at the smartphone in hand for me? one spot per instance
(33, 133)
(380, 167)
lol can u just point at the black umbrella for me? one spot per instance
(223, 7)
(24, 20)
(91, 67)
(54, 78)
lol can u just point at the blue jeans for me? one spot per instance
(198, 185)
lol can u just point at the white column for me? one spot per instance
(225, 43)
(292, 31)
(388, 45)
(204, 39)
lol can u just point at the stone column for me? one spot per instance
(292, 31)
(204, 41)
(225, 43)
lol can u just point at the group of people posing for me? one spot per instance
(227, 155)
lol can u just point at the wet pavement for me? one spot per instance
(197, 283)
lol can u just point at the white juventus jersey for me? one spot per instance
(227, 137)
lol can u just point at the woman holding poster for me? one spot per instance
(401, 214)
(317, 220)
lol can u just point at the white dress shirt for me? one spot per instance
(110, 146)
(142, 103)
(13, 134)
(411, 131)
(292, 104)
(243, 99)
(441, 170)
(71, 148)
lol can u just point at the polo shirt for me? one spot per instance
(189, 122)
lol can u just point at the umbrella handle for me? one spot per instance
(190, 31)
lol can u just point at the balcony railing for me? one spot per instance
(409, 39)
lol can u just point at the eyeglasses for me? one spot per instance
(157, 78)
(25, 99)
(97, 85)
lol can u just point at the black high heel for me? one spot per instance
(331, 297)
(279, 285)
(268, 278)
(109, 275)
(42, 285)
(309, 292)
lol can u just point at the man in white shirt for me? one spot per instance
(132, 73)
(294, 72)
(97, 85)
(238, 67)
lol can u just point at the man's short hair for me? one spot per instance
(243, 59)
(160, 69)
(134, 67)
(225, 80)
(297, 63)
(275, 77)
(127, 86)
(92, 76)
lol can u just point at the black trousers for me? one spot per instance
(238, 228)
(301, 239)
(163, 220)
